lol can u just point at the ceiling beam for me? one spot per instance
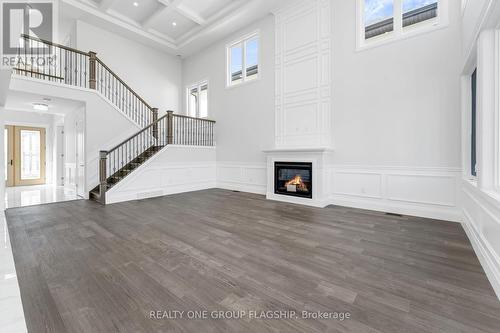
(190, 14)
(165, 8)
(106, 4)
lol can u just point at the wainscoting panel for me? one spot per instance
(427, 189)
(426, 192)
(303, 75)
(175, 169)
(482, 226)
(242, 177)
(357, 184)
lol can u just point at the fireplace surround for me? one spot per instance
(293, 179)
(314, 159)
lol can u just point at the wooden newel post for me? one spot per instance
(92, 70)
(103, 178)
(170, 127)
(155, 124)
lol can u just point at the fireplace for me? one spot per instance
(293, 178)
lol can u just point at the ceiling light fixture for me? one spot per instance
(136, 4)
(174, 24)
(40, 107)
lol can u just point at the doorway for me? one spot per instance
(25, 154)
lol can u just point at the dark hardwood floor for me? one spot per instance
(83, 267)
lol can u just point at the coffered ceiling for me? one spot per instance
(180, 27)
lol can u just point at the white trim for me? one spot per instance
(403, 208)
(126, 190)
(378, 188)
(482, 216)
(399, 33)
(488, 259)
(251, 177)
(496, 116)
(242, 41)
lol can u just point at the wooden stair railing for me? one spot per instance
(118, 162)
(42, 59)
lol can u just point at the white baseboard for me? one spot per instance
(159, 192)
(482, 225)
(426, 211)
(416, 191)
(249, 188)
(251, 178)
(487, 257)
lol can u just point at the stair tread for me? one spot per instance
(126, 170)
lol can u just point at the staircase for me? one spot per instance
(44, 60)
(72, 67)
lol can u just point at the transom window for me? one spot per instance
(395, 19)
(243, 60)
(197, 100)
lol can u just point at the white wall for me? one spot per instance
(244, 114)
(396, 120)
(154, 75)
(395, 116)
(480, 196)
(175, 169)
(396, 104)
(303, 68)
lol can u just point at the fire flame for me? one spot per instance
(297, 180)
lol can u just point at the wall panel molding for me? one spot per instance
(250, 178)
(426, 192)
(160, 175)
(482, 225)
(303, 75)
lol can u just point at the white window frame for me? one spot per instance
(198, 85)
(399, 33)
(242, 41)
(496, 156)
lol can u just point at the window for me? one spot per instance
(197, 100)
(396, 19)
(243, 60)
(416, 11)
(378, 17)
(473, 157)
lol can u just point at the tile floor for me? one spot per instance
(22, 196)
(11, 308)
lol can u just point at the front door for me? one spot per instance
(29, 155)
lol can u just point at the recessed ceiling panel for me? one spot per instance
(205, 8)
(172, 24)
(136, 10)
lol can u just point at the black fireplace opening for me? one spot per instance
(293, 178)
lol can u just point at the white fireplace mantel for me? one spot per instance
(299, 150)
(320, 159)
(303, 122)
